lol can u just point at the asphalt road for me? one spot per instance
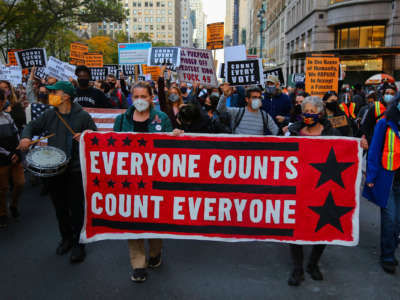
(30, 269)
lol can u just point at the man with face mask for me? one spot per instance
(66, 190)
(86, 95)
(376, 113)
(117, 98)
(250, 120)
(276, 103)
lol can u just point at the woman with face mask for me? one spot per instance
(142, 117)
(169, 101)
(16, 107)
(314, 123)
(336, 116)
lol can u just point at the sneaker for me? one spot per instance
(3, 221)
(64, 246)
(388, 266)
(14, 212)
(154, 262)
(296, 278)
(139, 275)
(78, 254)
(314, 272)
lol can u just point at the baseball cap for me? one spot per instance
(64, 86)
(273, 79)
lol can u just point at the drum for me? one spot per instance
(46, 161)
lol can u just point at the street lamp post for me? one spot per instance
(262, 20)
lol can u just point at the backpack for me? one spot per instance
(239, 118)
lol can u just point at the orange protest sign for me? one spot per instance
(215, 36)
(12, 61)
(154, 71)
(93, 60)
(322, 75)
(77, 52)
(76, 62)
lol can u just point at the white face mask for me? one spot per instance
(141, 105)
(256, 104)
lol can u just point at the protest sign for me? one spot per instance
(136, 53)
(13, 74)
(29, 58)
(164, 56)
(12, 60)
(215, 36)
(224, 188)
(113, 70)
(154, 72)
(93, 60)
(98, 74)
(60, 70)
(141, 78)
(234, 53)
(41, 73)
(278, 73)
(77, 52)
(295, 78)
(222, 70)
(322, 75)
(245, 72)
(128, 70)
(77, 62)
(197, 66)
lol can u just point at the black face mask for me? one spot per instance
(332, 106)
(112, 85)
(43, 96)
(208, 107)
(297, 109)
(83, 83)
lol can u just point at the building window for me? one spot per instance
(360, 37)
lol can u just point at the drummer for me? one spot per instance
(67, 121)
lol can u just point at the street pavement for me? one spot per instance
(30, 269)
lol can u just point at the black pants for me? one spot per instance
(297, 254)
(66, 193)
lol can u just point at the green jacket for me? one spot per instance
(159, 121)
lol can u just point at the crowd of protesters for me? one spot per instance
(372, 114)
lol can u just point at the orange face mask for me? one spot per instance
(55, 100)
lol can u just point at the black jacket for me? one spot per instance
(9, 139)
(295, 128)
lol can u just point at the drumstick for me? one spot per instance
(41, 139)
(66, 124)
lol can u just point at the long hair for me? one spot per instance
(180, 101)
(13, 96)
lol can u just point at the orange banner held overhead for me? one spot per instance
(76, 62)
(322, 75)
(77, 53)
(215, 36)
(12, 61)
(93, 60)
(154, 71)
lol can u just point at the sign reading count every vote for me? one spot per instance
(224, 188)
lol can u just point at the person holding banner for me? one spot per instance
(383, 182)
(250, 120)
(67, 121)
(314, 123)
(142, 117)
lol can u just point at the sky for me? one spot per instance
(215, 10)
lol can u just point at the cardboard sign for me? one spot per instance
(93, 60)
(113, 70)
(197, 66)
(155, 72)
(29, 58)
(164, 56)
(215, 36)
(322, 75)
(12, 74)
(278, 73)
(77, 52)
(221, 188)
(12, 60)
(136, 53)
(60, 70)
(98, 74)
(245, 72)
(339, 121)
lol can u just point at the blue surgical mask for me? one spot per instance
(270, 89)
(388, 98)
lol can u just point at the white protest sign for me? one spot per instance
(59, 69)
(13, 74)
(234, 53)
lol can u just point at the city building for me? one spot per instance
(186, 25)
(364, 34)
(256, 21)
(199, 20)
(228, 23)
(243, 21)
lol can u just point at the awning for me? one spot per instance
(351, 52)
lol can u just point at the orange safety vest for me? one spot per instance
(391, 151)
(379, 111)
(349, 111)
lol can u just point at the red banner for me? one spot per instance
(220, 187)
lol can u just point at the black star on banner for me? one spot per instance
(331, 170)
(126, 184)
(127, 141)
(96, 181)
(111, 184)
(141, 184)
(330, 213)
(95, 141)
(142, 142)
(111, 141)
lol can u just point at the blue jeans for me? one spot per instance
(390, 225)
